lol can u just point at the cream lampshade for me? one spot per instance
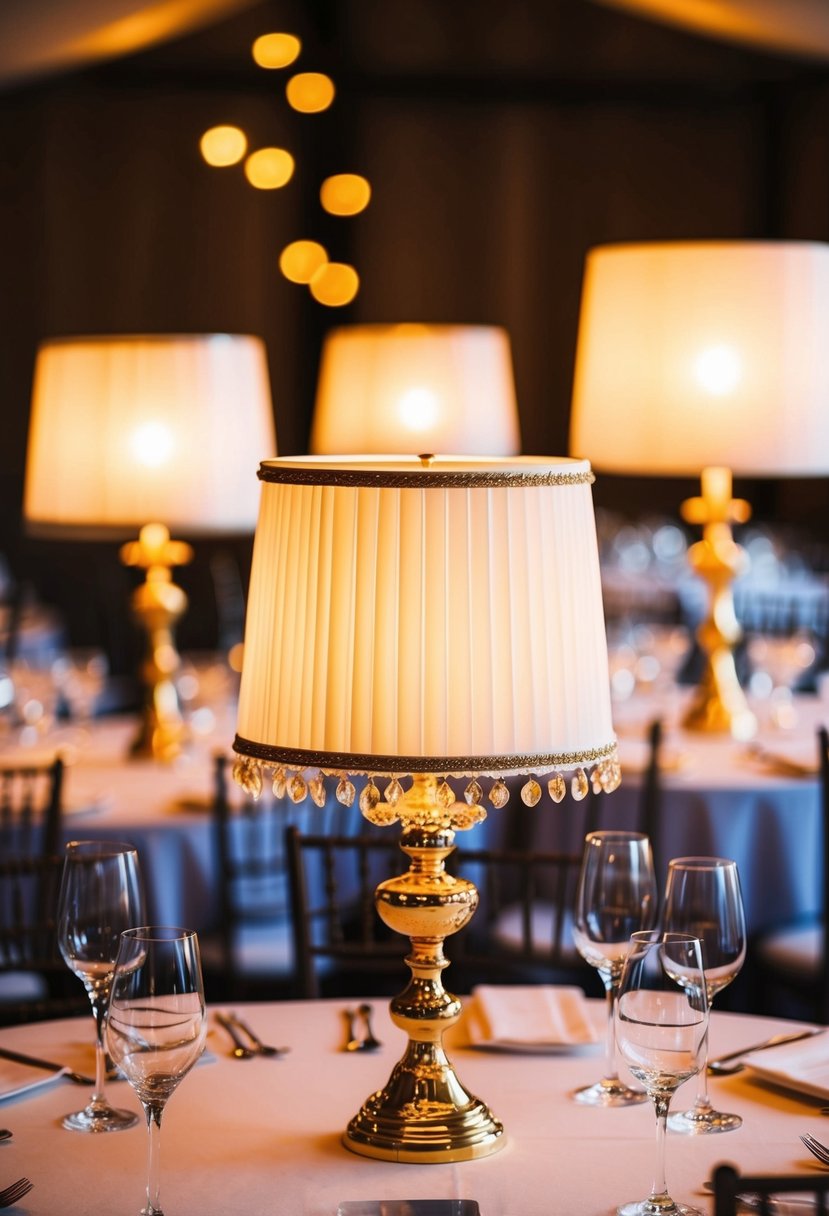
(408, 620)
(706, 358)
(149, 432)
(416, 388)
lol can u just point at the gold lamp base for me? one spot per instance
(157, 605)
(424, 1113)
(719, 704)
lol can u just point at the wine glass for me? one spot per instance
(702, 897)
(156, 1026)
(100, 896)
(661, 1032)
(616, 897)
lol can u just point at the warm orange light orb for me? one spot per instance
(276, 50)
(301, 260)
(222, 146)
(345, 194)
(269, 168)
(335, 284)
(310, 92)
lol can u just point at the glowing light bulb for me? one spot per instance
(269, 168)
(152, 444)
(276, 50)
(335, 284)
(310, 92)
(345, 194)
(301, 260)
(419, 409)
(718, 370)
(222, 146)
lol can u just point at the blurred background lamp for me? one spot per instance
(276, 50)
(149, 432)
(345, 194)
(706, 358)
(310, 92)
(223, 146)
(412, 388)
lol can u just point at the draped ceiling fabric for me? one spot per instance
(792, 26)
(61, 35)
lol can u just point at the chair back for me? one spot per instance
(729, 1187)
(30, 809)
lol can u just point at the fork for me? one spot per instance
(816, 1148)
(10, 1195)
(263, 1049)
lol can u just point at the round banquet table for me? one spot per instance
(262, 1136)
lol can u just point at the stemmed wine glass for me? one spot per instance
(100, 896)
(661, 1032)
(156, 1026)
(702, 897)
(616, 897)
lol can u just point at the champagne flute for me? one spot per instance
(702, 897)
(616, 897)
(156, 1026)
(100, 896)
(661, 1032)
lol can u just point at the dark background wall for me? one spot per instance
(502, 140)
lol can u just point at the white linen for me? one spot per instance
(802, 1066)
(531, 1017)
(18, 1079)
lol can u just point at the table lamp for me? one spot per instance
(149, 432)
(706, 358)
(416, 388)
(412, 619)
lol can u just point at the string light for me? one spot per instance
(335, 284)
(276, 50)
(301, 260)
(224, 145)
(345, 194)
(310, 92)
(269, 168)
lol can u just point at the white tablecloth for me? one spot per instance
(262, 1137)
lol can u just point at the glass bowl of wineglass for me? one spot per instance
(661, 1033)
(616, 897)
(156, 1026)
(702, 897)
(100, 896)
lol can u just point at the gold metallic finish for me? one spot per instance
(157, 605)
(424, 1113)
(719, 704)
(452, 766)
(426, 478)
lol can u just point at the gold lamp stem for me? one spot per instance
(424, 1114)
(157, 605)
(719, 703)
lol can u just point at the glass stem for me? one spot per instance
(153, 1113)
(702, 1101)
(659, 1190)
(99, 1009)
(610, 1072)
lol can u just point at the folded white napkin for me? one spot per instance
(531, 1017)
(802, 1066)
(17, 1079)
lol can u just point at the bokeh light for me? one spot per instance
(222, 146)
(310, 92)
(335, 284)
(301, 260)
(276, 50)
(269, 168)
(345, 194)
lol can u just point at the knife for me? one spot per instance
(34, 1062)
(722, 1062)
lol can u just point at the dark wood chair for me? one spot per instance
(30, 809)
(729, 1185)
(35, 982)
(790, 963)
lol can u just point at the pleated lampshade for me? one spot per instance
(444, 616)
(136, 428)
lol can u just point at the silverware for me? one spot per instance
(240, 1051)
(263, 1049)
(816, 1148)
(783, 1204)
(370, 1043)
(35, 1062)
(723, 1068)
(10, 1195)
(5, 1134)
